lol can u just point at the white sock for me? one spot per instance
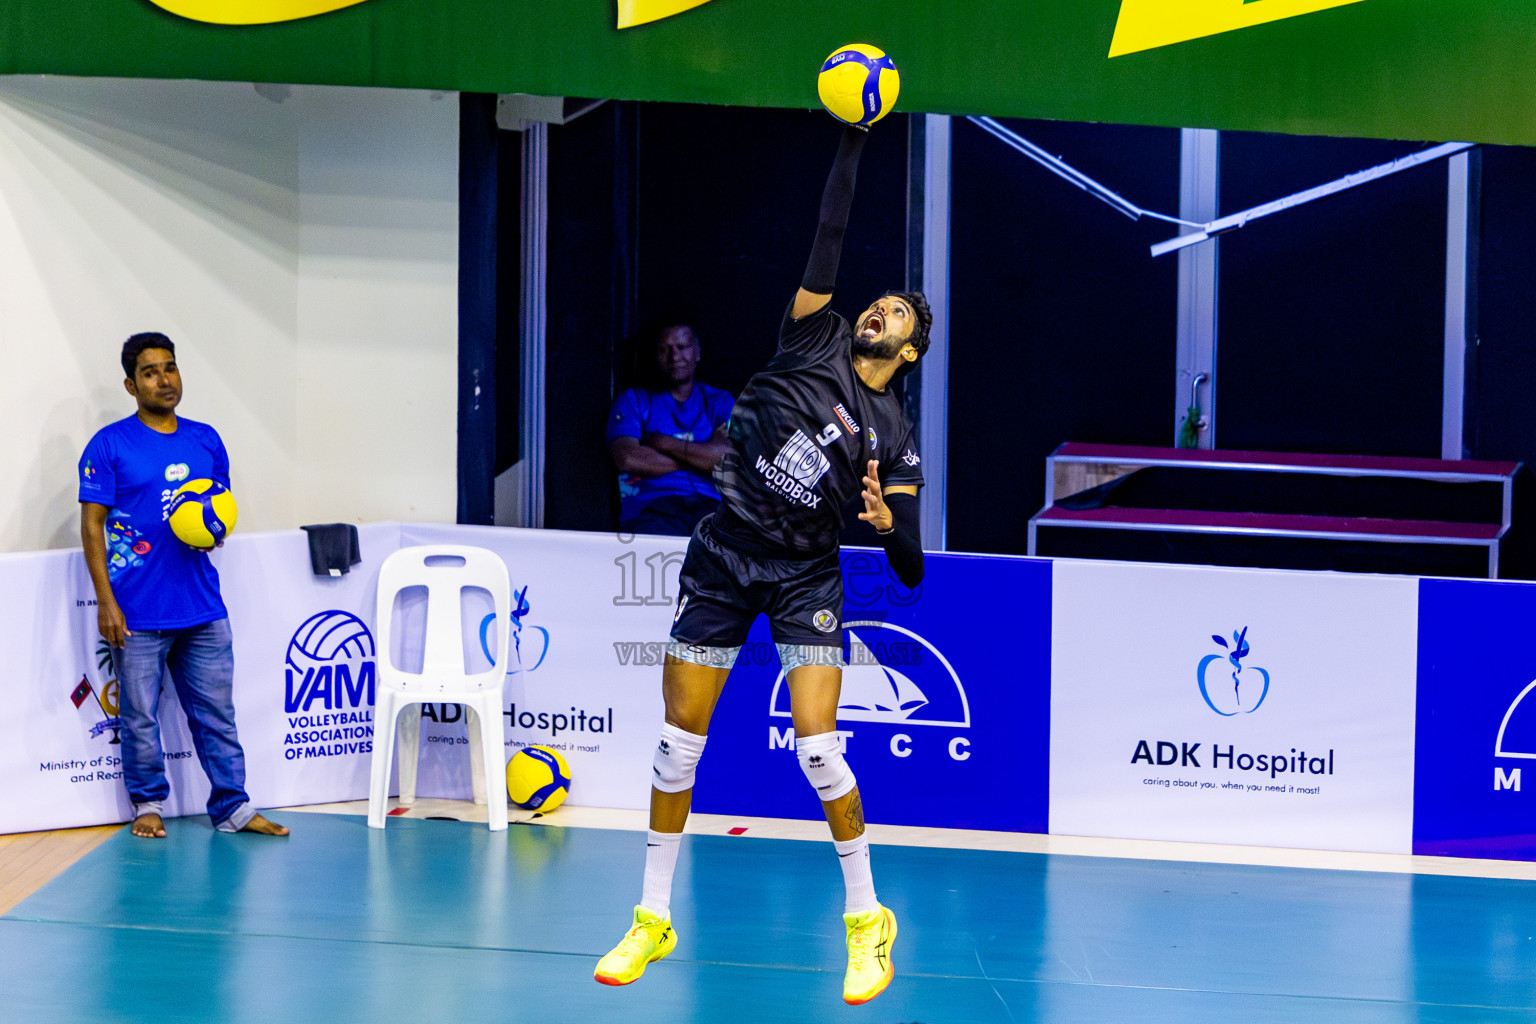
(660, 862)
(859, 881)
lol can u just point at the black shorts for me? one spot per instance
(722, 591)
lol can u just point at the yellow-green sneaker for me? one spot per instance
(649, 940)
(870, 937)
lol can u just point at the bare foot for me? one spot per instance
(264, 827)
(149, 826)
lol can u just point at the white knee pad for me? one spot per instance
(821, 758)
(677, 756)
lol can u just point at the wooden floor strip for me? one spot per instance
(29, 860)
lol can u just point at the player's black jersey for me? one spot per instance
(802, 434)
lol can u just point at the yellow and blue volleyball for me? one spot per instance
(202, 513)
(538, 778)
(858, 84)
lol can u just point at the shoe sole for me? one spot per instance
(614, 979)
(890, 969)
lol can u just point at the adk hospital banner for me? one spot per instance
(1407, 69)
(1261, 707)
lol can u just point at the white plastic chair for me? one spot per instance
(443, 679)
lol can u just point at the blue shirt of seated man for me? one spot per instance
(665, 441)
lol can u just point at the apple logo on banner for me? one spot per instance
(521, 654)
(1236, 694)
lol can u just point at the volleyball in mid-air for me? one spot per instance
(858, 83)
(202, 513)
(538, 778)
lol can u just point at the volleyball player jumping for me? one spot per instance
(817, 426)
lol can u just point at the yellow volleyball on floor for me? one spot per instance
(538, 778)
(858, 83)
(202, 513)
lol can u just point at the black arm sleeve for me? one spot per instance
(904, 544)
(836, 199)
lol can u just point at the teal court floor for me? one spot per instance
(446, 921)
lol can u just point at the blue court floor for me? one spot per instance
(445, 921)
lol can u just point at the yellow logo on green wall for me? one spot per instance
(638, 12)
(1148, 24)
(251, 12)
(261, 12)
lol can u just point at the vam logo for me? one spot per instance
(330, 664)
(1148, 24)
(895, 678)
(1234, 696)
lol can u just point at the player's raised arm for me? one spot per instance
(836, 199)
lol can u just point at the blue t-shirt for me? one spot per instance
(159, 581)
(638, 411)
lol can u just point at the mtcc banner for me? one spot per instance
(944, 704)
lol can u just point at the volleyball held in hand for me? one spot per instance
(858, 84)
(202, 513)
(538, 778)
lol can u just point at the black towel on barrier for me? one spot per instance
(333, 548)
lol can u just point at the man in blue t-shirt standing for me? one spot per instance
(667, 441)
(157, 600)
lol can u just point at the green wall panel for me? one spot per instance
(1416, 69)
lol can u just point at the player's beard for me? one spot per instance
(878, 347)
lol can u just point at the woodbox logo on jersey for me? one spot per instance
(329, 683)
(796, 470)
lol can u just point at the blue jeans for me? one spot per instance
(201, 661)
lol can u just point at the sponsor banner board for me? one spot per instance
(944, 703)
(590, 622)
(303, 708)
(1233, 706)
(1475, 774)
(305, 665)
(60, 748)
(591, 615)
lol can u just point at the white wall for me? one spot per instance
(300, 246)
